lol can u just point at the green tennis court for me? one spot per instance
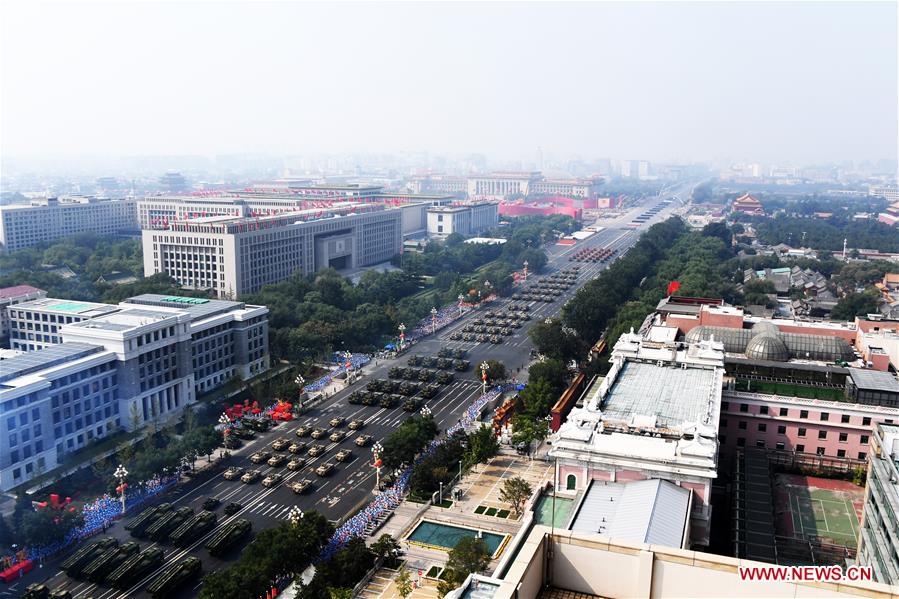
(826, 514)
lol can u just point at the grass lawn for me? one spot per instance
(503, 514)
(446, 503)
(491, 512)
(480, 509)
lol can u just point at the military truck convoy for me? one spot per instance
(228, 536)
(174, 576)
(135, 567)
(193, 528)
(75, 563)
(146, 518)
(108, 561)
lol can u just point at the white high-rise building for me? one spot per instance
(24, 226)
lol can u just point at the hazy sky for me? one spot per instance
(765, 81)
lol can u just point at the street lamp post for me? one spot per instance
(484, 368)
(348, 365)
(402, 329)
(525, 270)
(460, 298)
(295, 516)
(434, 320)
(300, 381)
(376, 451)
(425, 412)
(488, 286)
(120, 475)
(225, 423)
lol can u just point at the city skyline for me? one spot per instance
(808, 83)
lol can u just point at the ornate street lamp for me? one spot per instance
(376, 451)
(484, 368)
(425, 412)
(348, 365)
(225, 423)
(295, 515)
(402, 329)
(120, 475)
(525, 270)
(300, 382)
(434, 319)
(460, 298)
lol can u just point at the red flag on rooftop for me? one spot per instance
(673, 286)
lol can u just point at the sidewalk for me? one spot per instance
(481, 487)
(383, 586)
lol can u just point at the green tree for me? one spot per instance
(537, 398)
(469, 556)
(856, 304)
(386, 547)
(557, 342)
(403, 444)
(403, 582)
(6, 533)
(515, 492)
(340, 593)
(482, 445)
(496, 371)
(46, 526)
(528, 430)
(203, 440)
(552, 372)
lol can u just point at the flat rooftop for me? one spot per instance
(44, 358)
(671, 395)
(874, 380)
(125, 320)
(198, 308)
(67, 307)
(647, 511)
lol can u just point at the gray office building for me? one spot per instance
(236, 255)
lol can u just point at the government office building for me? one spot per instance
(232, 256)
(145, 361)
(228, 339)
(26, 225)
